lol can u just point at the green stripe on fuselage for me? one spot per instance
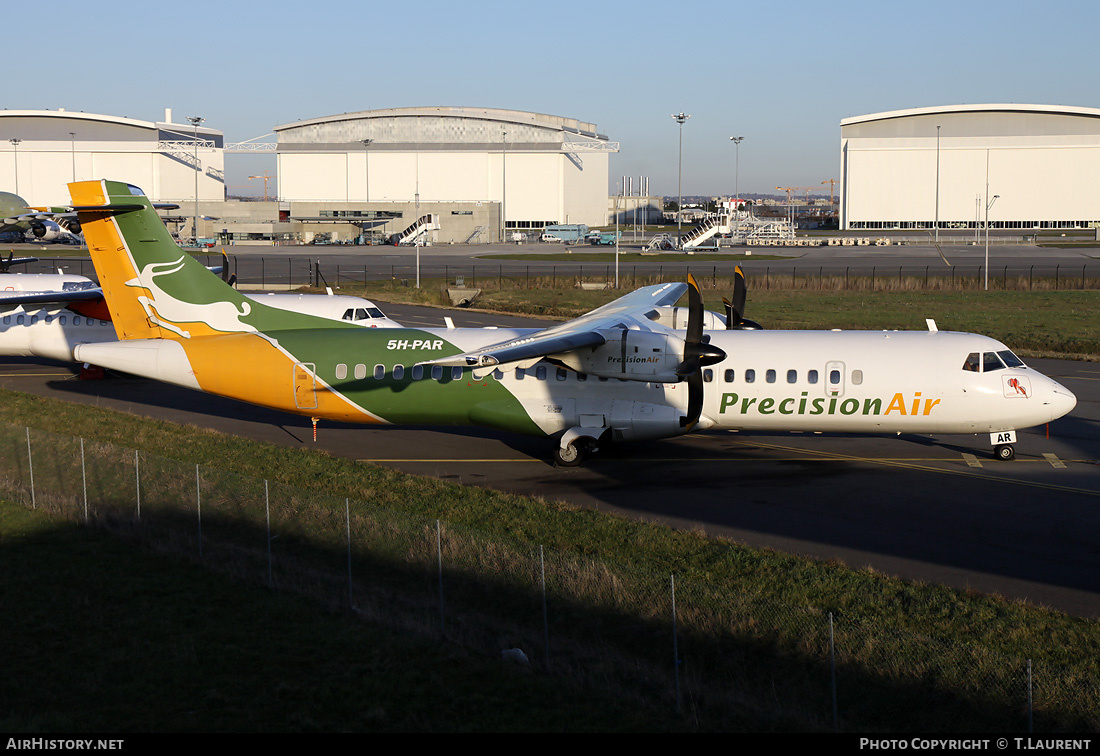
(428, 401)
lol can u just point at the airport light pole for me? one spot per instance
(15, 146)
(937, 184)
(988, 205)
(737, 165)
(195, 121)
(503, 184)
(366, 165)
(680, 118)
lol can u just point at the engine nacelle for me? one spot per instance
(677, 317)
(46, 230)
(632, 355)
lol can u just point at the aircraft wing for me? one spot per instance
(15, 298)
(585, 331)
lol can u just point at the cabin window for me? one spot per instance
(729, 376)
(341, 372)
(834, 377)
(34, 319)
(520, 374)
(991, 362)
(770, 376)
(498, 374)
(561, 374)
(398, 372)
(811, 376)
(1010, 359)
(582, 377)
(76, 319)
(417, 372)
(857, 377)
(540, 372)
(103, 322)
(437, 372)
(379, 371)
(456, 373)
(708, 375)
(49, 319)
(792, 376)
(972, 364)
(750, 376)
(60, 320)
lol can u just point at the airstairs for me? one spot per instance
(422, 225)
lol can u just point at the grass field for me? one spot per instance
(111, 637)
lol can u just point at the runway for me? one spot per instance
(937, 509)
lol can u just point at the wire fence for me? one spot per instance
(722, 659)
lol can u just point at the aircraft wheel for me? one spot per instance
(571, 456)
(1004, 452)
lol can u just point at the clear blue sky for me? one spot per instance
(782, 75)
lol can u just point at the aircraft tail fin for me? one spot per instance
(152, 287)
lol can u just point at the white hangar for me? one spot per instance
(471, 166)
(47, 149)
(912, 168)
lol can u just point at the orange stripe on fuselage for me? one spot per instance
(113, 265)
(249, 367)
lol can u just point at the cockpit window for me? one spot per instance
(361, 314)
(375, 312)
(349, 314)
(991, 362)
(1010, 359)
(972, 363)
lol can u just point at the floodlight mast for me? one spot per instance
(680, 118)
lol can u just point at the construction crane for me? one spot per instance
(266, 178)
(832, 183)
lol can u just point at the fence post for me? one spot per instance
(545, 614)
(1030, 709)
(439, 558)
(198, 507)
(832, 671)
(30, 467)
(137, 480)
(84, 480)
(267, 515)
(347, 522)
(675, 644)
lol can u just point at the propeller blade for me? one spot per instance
(225, 267)
(698, 353)
(695, 312)
(695, 401)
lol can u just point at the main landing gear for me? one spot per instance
(576, 446)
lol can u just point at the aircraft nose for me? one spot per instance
(1063, 401)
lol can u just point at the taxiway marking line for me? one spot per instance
(963, 473)
(1053, 460)
(971, 460)
(33, 375)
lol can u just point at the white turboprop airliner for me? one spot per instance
(49, 314)
(618, 373)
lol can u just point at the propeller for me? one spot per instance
(698, 353)
(231, 280)
(735, 310)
